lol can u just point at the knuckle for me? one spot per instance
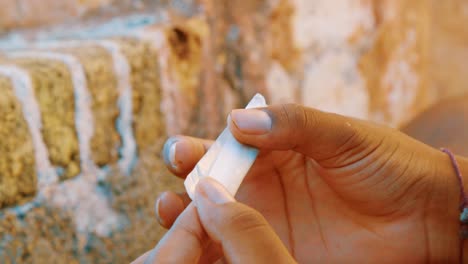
(246, 221)
(299, 121)
(296, 115)
(190, 232)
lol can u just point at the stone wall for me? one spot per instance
(448, 52)
(341, 56)
(83, 128)
(31, 13)
(24, 14)
(89, 197)
(379, 60)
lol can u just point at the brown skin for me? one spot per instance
(218, 227)
(444, 125)
(337, 190)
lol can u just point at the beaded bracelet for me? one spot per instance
(464, 197)
(464, 201)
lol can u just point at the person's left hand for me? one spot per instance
(218, 227)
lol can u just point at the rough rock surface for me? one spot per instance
(102, 85)
(54, 93)
(17, 168)
(48, 235)
(72, 215)
(146, 82)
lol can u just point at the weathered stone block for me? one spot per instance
(17, 164)
(102, 85)
(54, 93)
(146, 81)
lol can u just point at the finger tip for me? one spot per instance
(214, 191)
(157, 208)
(169, 152)
(231, 124)
(188, 153)
(180, 153)
(168, 207)
(177, 153)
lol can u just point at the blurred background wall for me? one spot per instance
(381, 60)
(379, 51)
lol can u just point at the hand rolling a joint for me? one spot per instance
(324, 189)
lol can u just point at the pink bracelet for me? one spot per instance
(464, 197)
(463, 204)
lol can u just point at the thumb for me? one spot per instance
(318, 135)
(243, 233)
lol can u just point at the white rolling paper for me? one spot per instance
(227, 161)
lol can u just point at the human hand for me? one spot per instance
(218, 227)
(336, 189)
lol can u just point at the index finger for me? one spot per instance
(186, 242)
(181, 153)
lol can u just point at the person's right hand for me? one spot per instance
(336, 189)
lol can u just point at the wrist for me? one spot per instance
(442, 213)
(463, 164)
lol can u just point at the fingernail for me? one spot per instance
(211, 190)
(252, 121)
(158, 215)
(169, 153)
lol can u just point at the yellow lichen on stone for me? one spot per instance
(146, 83)
(54, 92)
(17, 163)
(102, 85)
